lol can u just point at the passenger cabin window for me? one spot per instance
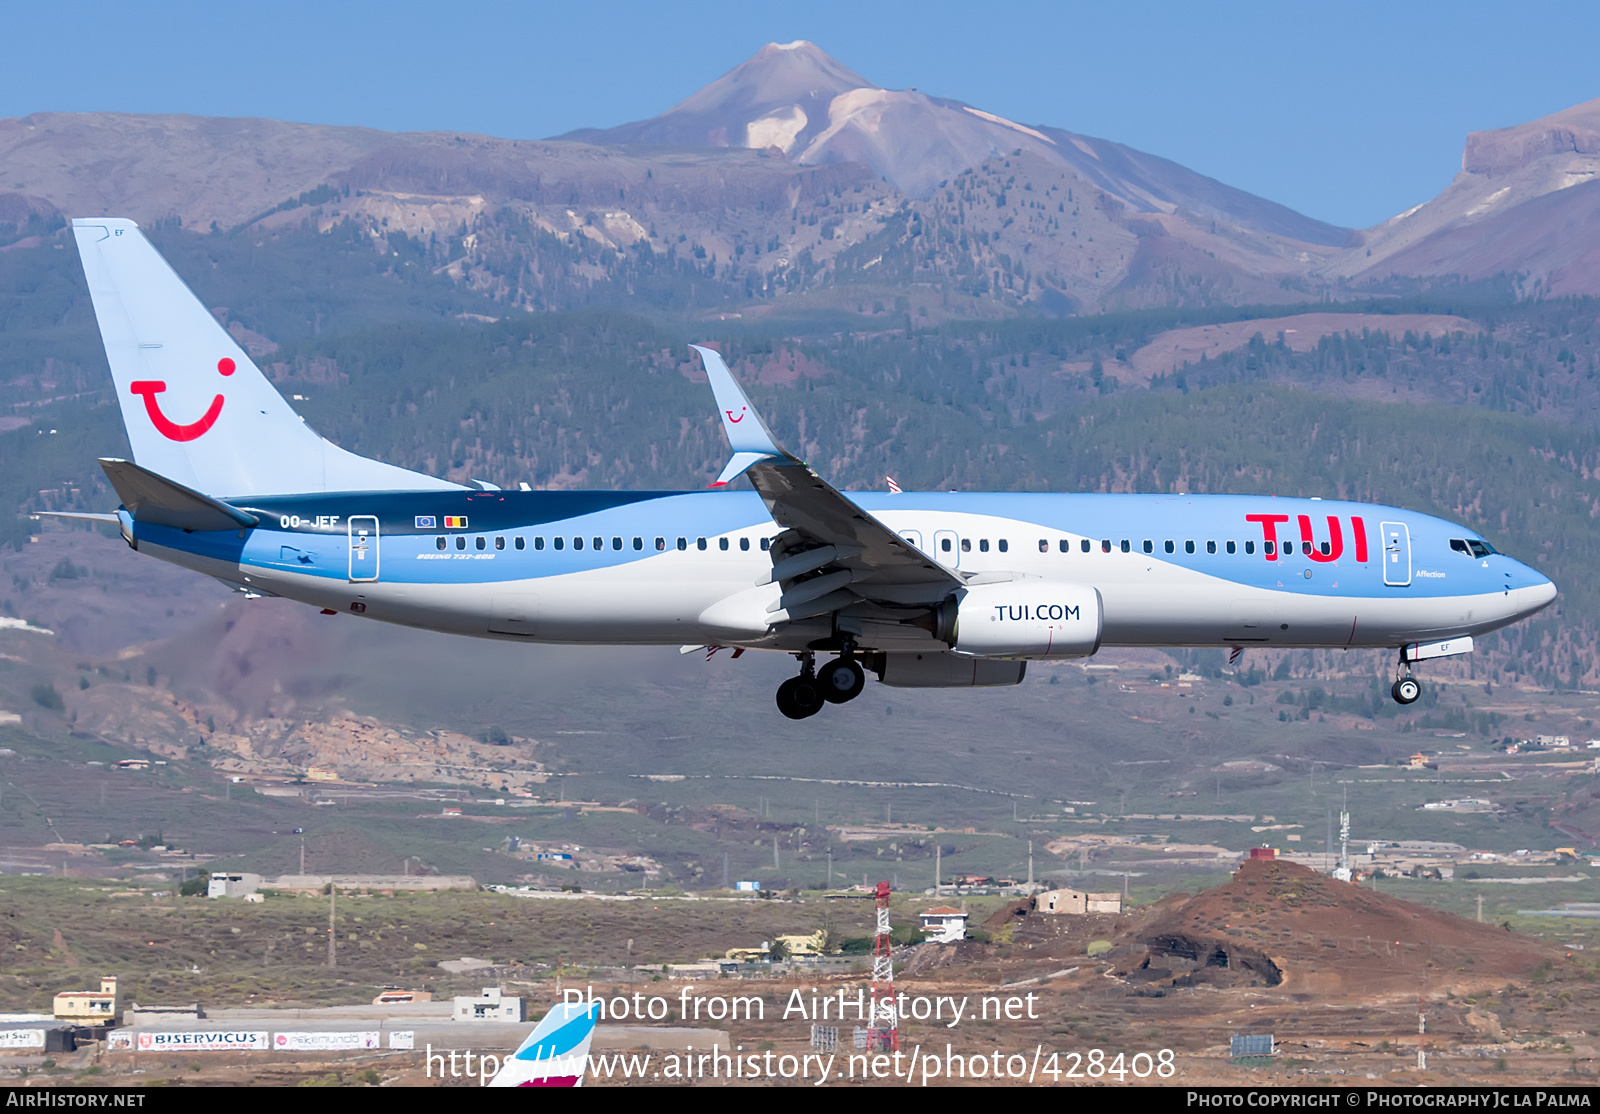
(722, 544)
(521, 543)
(1044, 546)
(1211, 547)
(1327, 548)
(616, 543)
(1169, 546)
(700, 544)
(983, 545)
(577, 543)
(538, 543)
(1249, 547)
(1066, 545)
(1188, 547)
(1266, 547)
(1124, 545)
(638, 543)
(944, 544)
(1232, 548)
(661, 545)
(744, 545)
(683, 543)
(1004, 545)
(439, 542)
(766, 544)
(599, 543)
(1105, 545)
(499, 543)
(480, 542)
(559, 542)
(461, 542)
(966, 545)
(1084, 545)
(1149, 546)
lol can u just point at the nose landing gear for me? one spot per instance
(840, 681)
(1406, 688)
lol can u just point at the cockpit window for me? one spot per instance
(1472, 547)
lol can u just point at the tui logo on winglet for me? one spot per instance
(171, 430)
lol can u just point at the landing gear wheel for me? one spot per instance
(1406, 690)
(841, 680)
(799, 697)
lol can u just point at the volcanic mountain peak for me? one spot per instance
(777, 98)
(778, 75)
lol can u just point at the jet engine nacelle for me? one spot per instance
(1029, 619)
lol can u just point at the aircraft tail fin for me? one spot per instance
(556, 1053)
(197, 409)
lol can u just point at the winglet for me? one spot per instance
(748, 435)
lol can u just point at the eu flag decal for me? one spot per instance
(425, 522)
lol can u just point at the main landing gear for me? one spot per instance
(840, 681)
(1406, 688)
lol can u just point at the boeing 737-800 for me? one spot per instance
(924, 589)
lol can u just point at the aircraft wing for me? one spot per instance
(824, 529)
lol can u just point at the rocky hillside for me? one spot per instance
(1526, 202)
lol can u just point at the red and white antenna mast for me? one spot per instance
(884, 1033)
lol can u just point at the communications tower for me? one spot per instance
(883, 1035)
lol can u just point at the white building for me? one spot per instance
(233, 885)
(944, 925)
(491, 1005)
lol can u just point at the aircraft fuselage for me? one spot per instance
(630, 568)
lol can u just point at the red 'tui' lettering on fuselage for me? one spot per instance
(1335, 540)
(1269, 535)
(1269, 531)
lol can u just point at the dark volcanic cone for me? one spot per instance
(1278, 924)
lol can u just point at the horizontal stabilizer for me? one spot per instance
(107, 517)
(161, 502)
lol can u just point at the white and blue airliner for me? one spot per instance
(924, 589)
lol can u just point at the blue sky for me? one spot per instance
(1349, 112)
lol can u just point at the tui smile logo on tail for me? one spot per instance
(168, 428)
(742, 411)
